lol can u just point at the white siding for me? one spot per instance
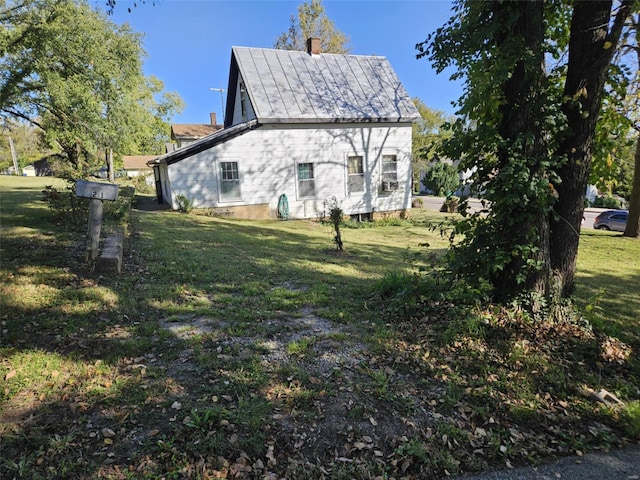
(267, 159)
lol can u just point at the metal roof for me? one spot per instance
(287, 86)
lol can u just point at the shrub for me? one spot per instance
(118, 211)
(65, 206)
(336, 217)
(606, 202)
(184, 204)
(441, 178)
(141, 185)
(417, 203)
(450, 204)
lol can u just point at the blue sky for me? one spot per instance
(189, 42)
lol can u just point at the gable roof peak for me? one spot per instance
(288, 86)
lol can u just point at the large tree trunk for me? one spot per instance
(591, 49)
(633, 222)
(524, 149)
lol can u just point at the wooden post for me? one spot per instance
(95, 225)
(96, 193)
(111, 170)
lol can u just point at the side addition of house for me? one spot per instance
(304, 126)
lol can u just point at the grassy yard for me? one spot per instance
(239, 349)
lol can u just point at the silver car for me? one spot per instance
(615, 220)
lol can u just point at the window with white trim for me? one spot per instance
(355, 173)
(229, 181)
(389, 173)
(306, 180)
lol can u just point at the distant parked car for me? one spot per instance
(615, 220)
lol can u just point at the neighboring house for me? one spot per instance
(137, 165)
(303, 126)
(39, 168)
(186, 133)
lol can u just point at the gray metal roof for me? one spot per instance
(287, 86)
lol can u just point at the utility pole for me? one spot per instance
(14, 156)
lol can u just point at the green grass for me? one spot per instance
(608, 281)
(287, 356)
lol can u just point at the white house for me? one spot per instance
(304, 126)
(136, 165)
(186, 133)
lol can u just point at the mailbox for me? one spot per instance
(96, 190)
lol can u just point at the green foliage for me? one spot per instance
(312, 22)
(79, 77)
(509, 122)
(185, 205)
(606, 202)
(140, 184)
(427, 134)
(619, 121)
(441, 178)
(26, 141)
(65, 206)
(301, 347)
(117, 212)
(632, 416)
(336, 217)
(73, 212)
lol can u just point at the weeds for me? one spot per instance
(185, 205)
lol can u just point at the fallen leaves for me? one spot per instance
(412, 406)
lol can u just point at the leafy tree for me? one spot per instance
(26, 141)
(427, 135)
(441, 178)
(312, 22)
(533, 132)
(78, 76)
(630, 49)
(595, 34)
(618, 127)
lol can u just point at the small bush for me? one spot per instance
(450, 204)
(184, 204)
(441, 179)
(606, 202)
(417, 203)
(118, 211)
(336, 217)
(141, 185)
(65, 206)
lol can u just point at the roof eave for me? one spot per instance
(265, 121)
(209, 141)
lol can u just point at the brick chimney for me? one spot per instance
(313, 46)
(212, 116)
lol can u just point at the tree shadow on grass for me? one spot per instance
(108, 390)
